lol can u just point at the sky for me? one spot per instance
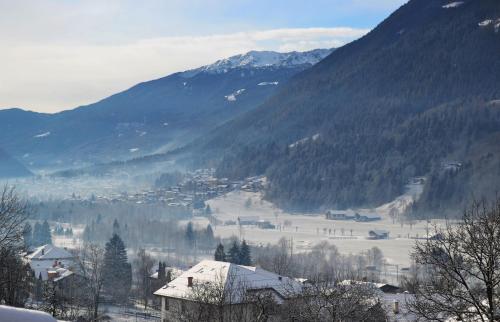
(61, 54)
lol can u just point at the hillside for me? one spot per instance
(416, 92)
(11, 168)
(153, 116)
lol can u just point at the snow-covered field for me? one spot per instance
(308, 230)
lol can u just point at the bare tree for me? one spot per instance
(462, 269)
(143, 267)
(92, 263)
(14, 273)
(324, 300)
(13, 214)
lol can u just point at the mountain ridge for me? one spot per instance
(152, 116)
(367, 100)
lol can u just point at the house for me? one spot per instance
(265, 224)
(367, 217)
(48, 258)
(378, 234)
(339, 215)
(14, 314)
(383, 287)
(238, 284)
(248, 220)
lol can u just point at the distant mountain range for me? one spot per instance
(154, 116)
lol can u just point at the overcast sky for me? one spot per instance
(59, 54)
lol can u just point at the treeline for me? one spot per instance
(369, 164)
(37, 236)
(170, 236)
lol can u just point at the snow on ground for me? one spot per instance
(42, 135)
(304, 140)
(232, 97)
(69, 242)
(310, 229)
(267, 83)
(455, 4)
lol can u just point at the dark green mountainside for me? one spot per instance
(417, 92)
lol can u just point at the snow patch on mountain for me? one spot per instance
(305, 140)
(267, 83)
(490, 22)
(455, 4)
(262, 59)
(232, 97)
(133, 150)
(42, 135)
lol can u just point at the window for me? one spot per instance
(166, 305)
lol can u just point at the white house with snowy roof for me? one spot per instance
(226, 286)
(51, 261)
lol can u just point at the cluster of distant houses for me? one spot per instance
(351, 215)
(251, 221)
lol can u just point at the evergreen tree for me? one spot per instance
(234, 253)
(37, 234)
(116, 228)
(45, 234)
(220, 255)
(245, 256)
(117, 272)
(190, 234)
(27, 236)
(87, 234)
(209, 235)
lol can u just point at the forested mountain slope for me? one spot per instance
(418, 91)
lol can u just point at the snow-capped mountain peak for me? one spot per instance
(261, 59)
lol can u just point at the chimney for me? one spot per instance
(190, 281)
(396, 307)
(43, 251)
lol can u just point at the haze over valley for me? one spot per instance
(327, 174)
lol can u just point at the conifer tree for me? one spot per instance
(27, 236)
(209, 235)
(234, 253)
(117, 272)
(86, 234)
(245, 256)
(220, 255)
(190, 235)
(37, 232)
(45, 234)
(116, 228)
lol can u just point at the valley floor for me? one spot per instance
(308, 230)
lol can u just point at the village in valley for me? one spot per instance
(231, 213)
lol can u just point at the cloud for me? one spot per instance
(52, 77)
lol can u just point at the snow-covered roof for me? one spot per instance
(234, 278)
(49, 252)
(12, 314)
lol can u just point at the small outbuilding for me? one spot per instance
(378, 234)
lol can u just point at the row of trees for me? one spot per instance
(37, 236)
(238, 253)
